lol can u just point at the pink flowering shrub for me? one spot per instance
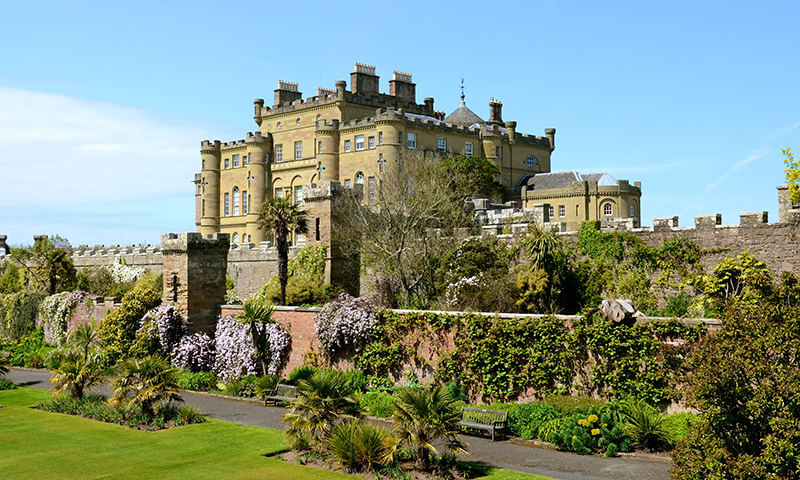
(194, 352)
(236, 356)
(345, 322)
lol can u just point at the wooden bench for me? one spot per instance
(482, 419)
(281, 394)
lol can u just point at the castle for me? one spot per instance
(347, 136)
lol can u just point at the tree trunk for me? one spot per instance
(283, 261)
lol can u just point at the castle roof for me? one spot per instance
(463, 116)
(550, 181)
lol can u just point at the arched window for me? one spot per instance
(608, 210)
(633, 210)
(319, 117)
(360, 178)
(236, 201)
(236, 238)
(278, 125)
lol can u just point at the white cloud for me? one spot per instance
(56, 149)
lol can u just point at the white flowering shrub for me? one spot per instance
(457, 292)
(165, 325)
(56, 310)
(345, 322)
(122, 273)
(236, 355)
(195, 352)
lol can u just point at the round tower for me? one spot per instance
(209, 197)
(327, 137)
(390, 125)
(257, 148)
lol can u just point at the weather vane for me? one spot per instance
(462, 89)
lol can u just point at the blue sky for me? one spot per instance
(103, 104)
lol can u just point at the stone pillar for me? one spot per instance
(194, 267)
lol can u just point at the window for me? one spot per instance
(633, 210)
(227, 203)
(359, 178)
(319, 147)
(380, 138)
(319, 117)
(347, 145)
(244, 160)
(279, 153)
(236, 161)
(359, 142)
(468, 148)
(371, 141)
(441, 144)
(551, 212)
(298, 122)
(278, 193)
(298, 194)
(278, 125)
(498, 151)
(381, 161)
(227, 163)
(562, 211)
(236, 199)
(236, 238)
(347, 182)
(316, 220)
(298, 150)
(371, 186)
(531, 161)
(244, 202)
(412, 140)
(203, 213)
(607, 210)
(400, 138)
(204, 164)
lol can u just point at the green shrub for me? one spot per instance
(6, 384)
(18, 313)
(30, 351)
(190, 414)
(200, 381)
(357, 378)
(593, 431)
(677, 424)
(300, 372)
(567, 403)
(550, 429)
(644, 425)
(456, 391)
(265, 384)
(526, 419)
(378, 403)
(356, 445)
(244, 387)
(117, 332)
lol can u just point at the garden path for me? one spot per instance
(508, 455)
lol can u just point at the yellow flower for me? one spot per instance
(595, 431)
(593, 418)
(583, 422)
(604, 425)
(574, 437)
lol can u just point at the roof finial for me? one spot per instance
(462, 90)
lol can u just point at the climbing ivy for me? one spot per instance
(500, 358)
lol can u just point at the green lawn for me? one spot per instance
(37, 444)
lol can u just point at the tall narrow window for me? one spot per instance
(317, 229)
(279, 153)
(371, 142)
(236, 161)
(319, 147)
(359, 142)
(236, 198)
(244, 202)
(236, 238)
(412, 140)
(245, 159)
(298, 194)
(441, 144)
(468, 148)
(227, 203)
(551, 212)
(380, 138)
(203, 213)
(227, 163)
(298, 150)
(633, 210)
(608, 210)
(347, 145)
(278, 193)
(371, 186)
(347, 182)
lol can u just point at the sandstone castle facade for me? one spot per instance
(346, 136)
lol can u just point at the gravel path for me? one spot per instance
(519, 456)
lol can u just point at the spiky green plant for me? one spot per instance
(322, 400)
(146, 381)
(255, 313)
(424, 417)
(357, 445)
(264, 385)
(76, 374)
(645, 426)
(84, 337)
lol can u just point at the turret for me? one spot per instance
(551, 135)
(258, 148)
(327, 138)
(209, 187)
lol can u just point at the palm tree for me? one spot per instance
(282, 216)
(424, 415)
(83, 338)
(146, 381)
(75, 374)
(321, 400)
(255, 314)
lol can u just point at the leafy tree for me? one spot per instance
(255, 314)
(475, 177)
(146, 381)
(322, 400)
(48, 264)
(745, 380)
(117, 332)
(281, 216)
(424, 417)
(11, 281)
(84, 337)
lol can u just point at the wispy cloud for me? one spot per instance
(617, 170)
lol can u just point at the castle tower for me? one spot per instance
(390, 144)
(194, 267)
(258, 147)
(209, 187)
(327, 137)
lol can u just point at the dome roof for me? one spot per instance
(463, 116)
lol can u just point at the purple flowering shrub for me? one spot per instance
(236, 355)
(194, 352)
(345, 322)
(164, 324)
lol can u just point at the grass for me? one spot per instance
(38, 444)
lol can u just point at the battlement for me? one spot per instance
(207, 145)
(368, 69)
(401, 76)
